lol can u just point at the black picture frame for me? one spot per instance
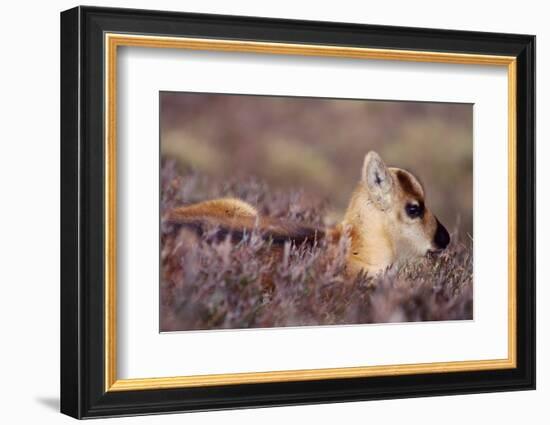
(83, 392)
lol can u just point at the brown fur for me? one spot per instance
(234, 217)
(380, 231)
(408, 186)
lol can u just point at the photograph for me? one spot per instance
(285, 211)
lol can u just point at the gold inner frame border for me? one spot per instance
(113, 40)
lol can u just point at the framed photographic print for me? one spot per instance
(261, 212)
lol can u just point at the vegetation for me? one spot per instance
(209, 284)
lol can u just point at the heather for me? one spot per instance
(207, 283)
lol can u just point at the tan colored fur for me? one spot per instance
(382, 237)
(222, 208)
(381, 232)
(236, 216)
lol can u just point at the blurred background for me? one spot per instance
(317, 145)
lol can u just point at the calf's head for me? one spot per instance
(400, 204)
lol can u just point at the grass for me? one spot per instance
(226, 285)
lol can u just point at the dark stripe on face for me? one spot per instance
(407, 184)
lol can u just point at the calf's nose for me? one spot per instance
(441, 238)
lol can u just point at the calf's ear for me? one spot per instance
(378, 180)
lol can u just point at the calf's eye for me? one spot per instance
(414, 210)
